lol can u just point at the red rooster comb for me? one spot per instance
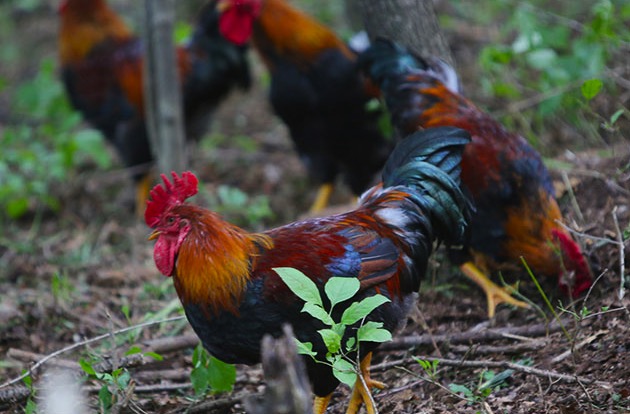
(573, 262)
(169, 194)
(62, 6)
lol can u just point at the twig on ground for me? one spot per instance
(577, 346)
(176, 375)
(584, 235)
(501, 349)
(30, 357)
(596, 314)
(574, 203)
(399, 389)
(144, 389)
(622, 254)
(429, 331)
(521, 368)
(590, 289)
(48, 357)
(208, 406)
(171, 343)
(488, 335)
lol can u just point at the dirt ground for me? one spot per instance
(88, 270)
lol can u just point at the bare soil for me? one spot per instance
(68, 276)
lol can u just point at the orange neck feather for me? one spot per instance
(215, 262)
(294, 34)
(85, 25)
(534, 235)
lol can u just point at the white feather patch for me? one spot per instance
(61, 394)
(393, 216)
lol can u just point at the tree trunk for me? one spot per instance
(412, 23)
(163, 103)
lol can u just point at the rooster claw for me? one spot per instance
(361, 392)
(494, 294)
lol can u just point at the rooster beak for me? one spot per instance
(223, 5)
(154, 235)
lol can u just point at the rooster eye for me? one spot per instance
(171, 220)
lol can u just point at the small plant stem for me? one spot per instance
(546, 299)
(574, 203)
(622, 260)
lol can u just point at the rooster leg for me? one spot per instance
(142, 194)
(495, 294)
(361, 391)
(323, 195)
(321, 403)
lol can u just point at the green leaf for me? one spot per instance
(332, 340)
(317, 312)
(351, 343)
(305, 348)
(105, 397)
(359, 310)
(123, 380)
(493, 380)
(614, 117)
(17, 207)
(373, 332)
(27, 380)
(87, 367)
(134, 350)
(591, 88)
(300, 284)
(199, 356)
(31, 407)
(344, 372)
(221, 376)
(426, 365)
(339, 289)
(199, 379)
(154, 355)
(457, 389)
(541, 59)
(90, 142)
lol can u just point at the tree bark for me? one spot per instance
(412, 23)
(163, 103)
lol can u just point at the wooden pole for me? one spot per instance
(162, 91)
(288, 390)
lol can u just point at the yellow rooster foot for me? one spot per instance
(361, 392)
(322, 198)
(321, 403)
(494, 294)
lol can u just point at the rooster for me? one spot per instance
(516, 214)
(315, 89)
(224, 275)
(101, 67)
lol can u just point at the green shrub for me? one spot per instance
(42, 146)
(549, 65)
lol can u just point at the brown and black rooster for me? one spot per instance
(316, 90)
(516, 214)
(224, 275)
(101, 66)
